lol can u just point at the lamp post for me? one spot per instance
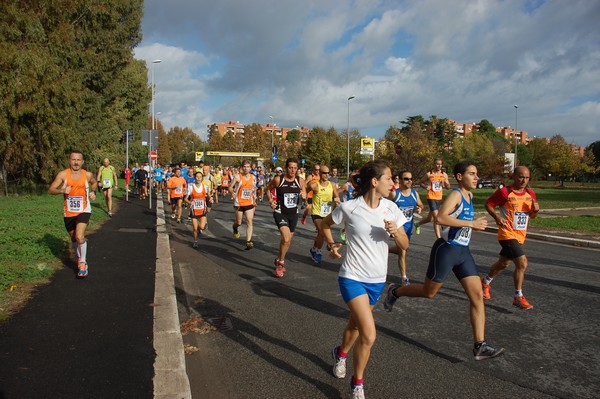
(348, 140)
(151, 172)
(272, 132)
(516, 128)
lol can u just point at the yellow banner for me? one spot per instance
(367, 142)
(233, 154)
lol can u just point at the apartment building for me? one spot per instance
(278, 132)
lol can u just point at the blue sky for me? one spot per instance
(299, 61)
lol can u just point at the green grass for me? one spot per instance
(578, 223)
(34, 241)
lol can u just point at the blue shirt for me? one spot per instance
(407, 205)
(460, 236)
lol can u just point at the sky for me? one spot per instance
(300, 61)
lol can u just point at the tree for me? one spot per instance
(479, 148)
(594, 148)
(183, 143)
(409, 148)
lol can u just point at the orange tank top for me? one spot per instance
(436, 186)
(77, 201)
(198, 197)
(245, 191)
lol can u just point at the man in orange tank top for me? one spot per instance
(435, 182)
(78, 187)
(517, 204)
(243, 192)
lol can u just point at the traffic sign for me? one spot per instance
(274, 158)
(153, 156)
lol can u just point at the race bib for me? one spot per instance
(520, 220)
(325, 208)
(463, 236)
(246, 193)
(178, 190)
(75, 204)
(290, 200)
(408, 213)
(106, 183)
(198, 204)
(436, 186)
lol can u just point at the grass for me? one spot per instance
(34, 243)
(590, 223)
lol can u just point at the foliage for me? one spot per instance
(554, 158)
(594, 148)
(479, 148)
(68, 79)
(183, 143)
(410, 148)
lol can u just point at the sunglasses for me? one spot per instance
(407, 178)
(324, 173)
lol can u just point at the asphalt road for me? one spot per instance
(272, 338)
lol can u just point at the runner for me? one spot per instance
(107, 177)
(517, 204)
(408, 202)
(127, 175)
(289, 191)
(325, 198)
(451, 253)
(189, 180)
(159, 176)
(346, 195)
(78, 187)
(198, 200)
(243, 190)
(370, 220)
(435, 182)
(136, 188)
(141, 177)
(260, 184)
(314, 177)
(177, 189)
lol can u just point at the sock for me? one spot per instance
(479, 344)
(82, 251)
(341, 354)
(487, 280)
(357, 381)
(518, 293)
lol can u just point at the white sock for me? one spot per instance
(487, 280)
(82, 252)
(518, 293)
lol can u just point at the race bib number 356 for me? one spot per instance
(75, 204)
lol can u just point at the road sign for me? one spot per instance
(274, 158)
(303, 161)
(198, 156)
(153, 156)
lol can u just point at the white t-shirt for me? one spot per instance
(367, 251)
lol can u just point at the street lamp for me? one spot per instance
(272, 131)
(151, 134)
(348, 140)
(516, 128)
(153, 62)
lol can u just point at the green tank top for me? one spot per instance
(107, 176)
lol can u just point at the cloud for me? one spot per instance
(300, 61)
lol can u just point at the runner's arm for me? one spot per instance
(56, 185)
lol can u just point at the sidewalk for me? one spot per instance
(90, 338)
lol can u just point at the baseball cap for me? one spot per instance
(279, 169)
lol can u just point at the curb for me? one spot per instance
(576, 242)
(170, 375)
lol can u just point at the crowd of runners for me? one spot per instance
(375, 209)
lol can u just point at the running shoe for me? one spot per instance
(249, 245)
(279, 268)
(417, 228)
(358, 391)
(109, 214)
(178, 220)
(195, 245)
(522, 303)
(343, 236)
(303, 219)
(485, 351)
(236, 233)
(83, 269)
(390, 298)
(339, 363)
(316, 256)
(172, 216)
(486, 290)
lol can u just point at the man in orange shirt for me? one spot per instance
(517, 204)
(435, 182)
(314, 177)
(78, 186)
(243, 191)
(177, 189)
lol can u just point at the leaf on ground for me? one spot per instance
(196, 325)
(189, 349)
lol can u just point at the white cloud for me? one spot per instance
(464, 59)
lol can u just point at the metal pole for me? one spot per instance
(127, 163)
(348, 140)
(516, 128)
(151, 171)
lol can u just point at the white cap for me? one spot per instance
(279, 169)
